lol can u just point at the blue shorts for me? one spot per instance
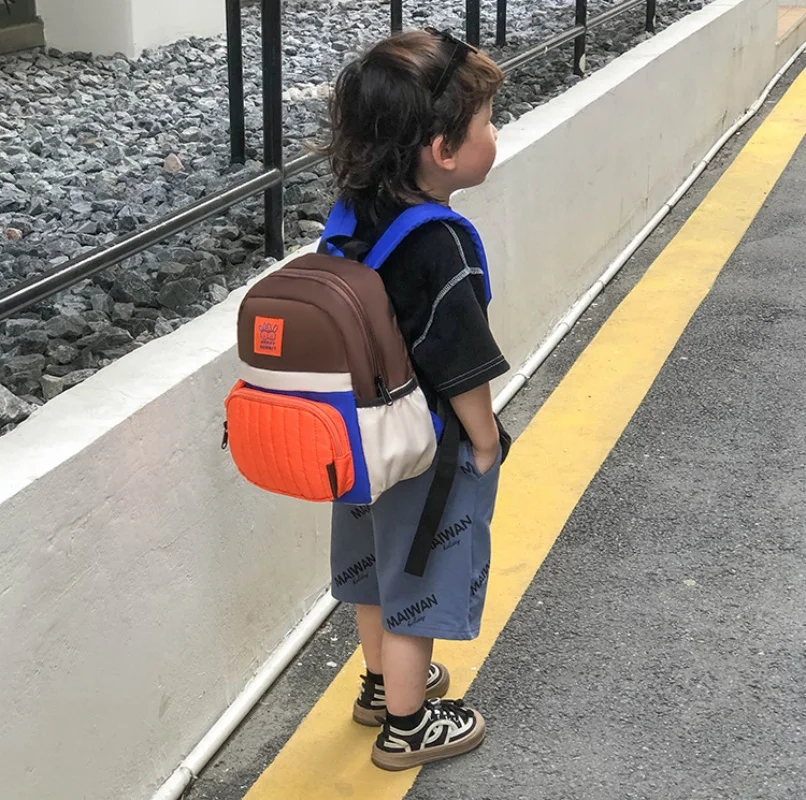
(370, 546)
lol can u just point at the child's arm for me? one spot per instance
(475, 412)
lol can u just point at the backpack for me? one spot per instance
(328, 407)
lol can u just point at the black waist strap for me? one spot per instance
(437, 500)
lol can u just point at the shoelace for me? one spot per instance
(453, 710)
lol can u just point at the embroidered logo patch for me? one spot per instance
(269, 336)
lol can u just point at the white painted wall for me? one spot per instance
(127, 26)
(142, 582)
(577, 179)
(157, 22)
(93, 26)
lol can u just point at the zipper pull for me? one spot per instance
(225, 438)
(383, 391)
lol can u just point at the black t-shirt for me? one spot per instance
(435, 282)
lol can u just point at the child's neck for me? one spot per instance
(433, 187)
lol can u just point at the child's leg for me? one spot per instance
(402, 660)
(370, 631)
(405, 671)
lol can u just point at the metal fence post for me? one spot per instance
(581, 42)
(651, 12)
(473, 21)
(501, 24)
(237, 131)
(272, 45)
(397, 16)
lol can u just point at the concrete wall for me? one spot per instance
(91, 26)
(157, 22)
(127, 26)
(577, 179)
(21, 37)
(142, 582)
(791, 29)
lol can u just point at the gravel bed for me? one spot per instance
(92, 148)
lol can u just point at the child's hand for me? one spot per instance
(485, 459)
(475, 411)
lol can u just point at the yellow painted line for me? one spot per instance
(553, 462)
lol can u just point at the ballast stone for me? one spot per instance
(13, 409)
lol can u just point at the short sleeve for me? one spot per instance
(436, 285)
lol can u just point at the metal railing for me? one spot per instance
(270, 183)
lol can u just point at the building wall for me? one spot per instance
(87, 25)
(20, 29)
(127, 26)
(156, 22)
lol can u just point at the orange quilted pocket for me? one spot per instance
(288, 445)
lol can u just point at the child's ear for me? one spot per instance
(442, 155)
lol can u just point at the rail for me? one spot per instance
(271, 182)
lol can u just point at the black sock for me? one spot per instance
(408, 722)
(376, 679)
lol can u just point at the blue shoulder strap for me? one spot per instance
(342, 222)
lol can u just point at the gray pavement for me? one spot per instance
(659, 653)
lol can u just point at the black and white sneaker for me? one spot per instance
(448, 728)
(370, 708)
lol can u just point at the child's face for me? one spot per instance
(474, 159)
(442, 172)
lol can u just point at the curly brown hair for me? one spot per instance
(383, 112)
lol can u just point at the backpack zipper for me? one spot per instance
(344, 289)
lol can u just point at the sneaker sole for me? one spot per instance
(396, 762)
(374, 718)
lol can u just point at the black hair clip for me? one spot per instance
(460, 51)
